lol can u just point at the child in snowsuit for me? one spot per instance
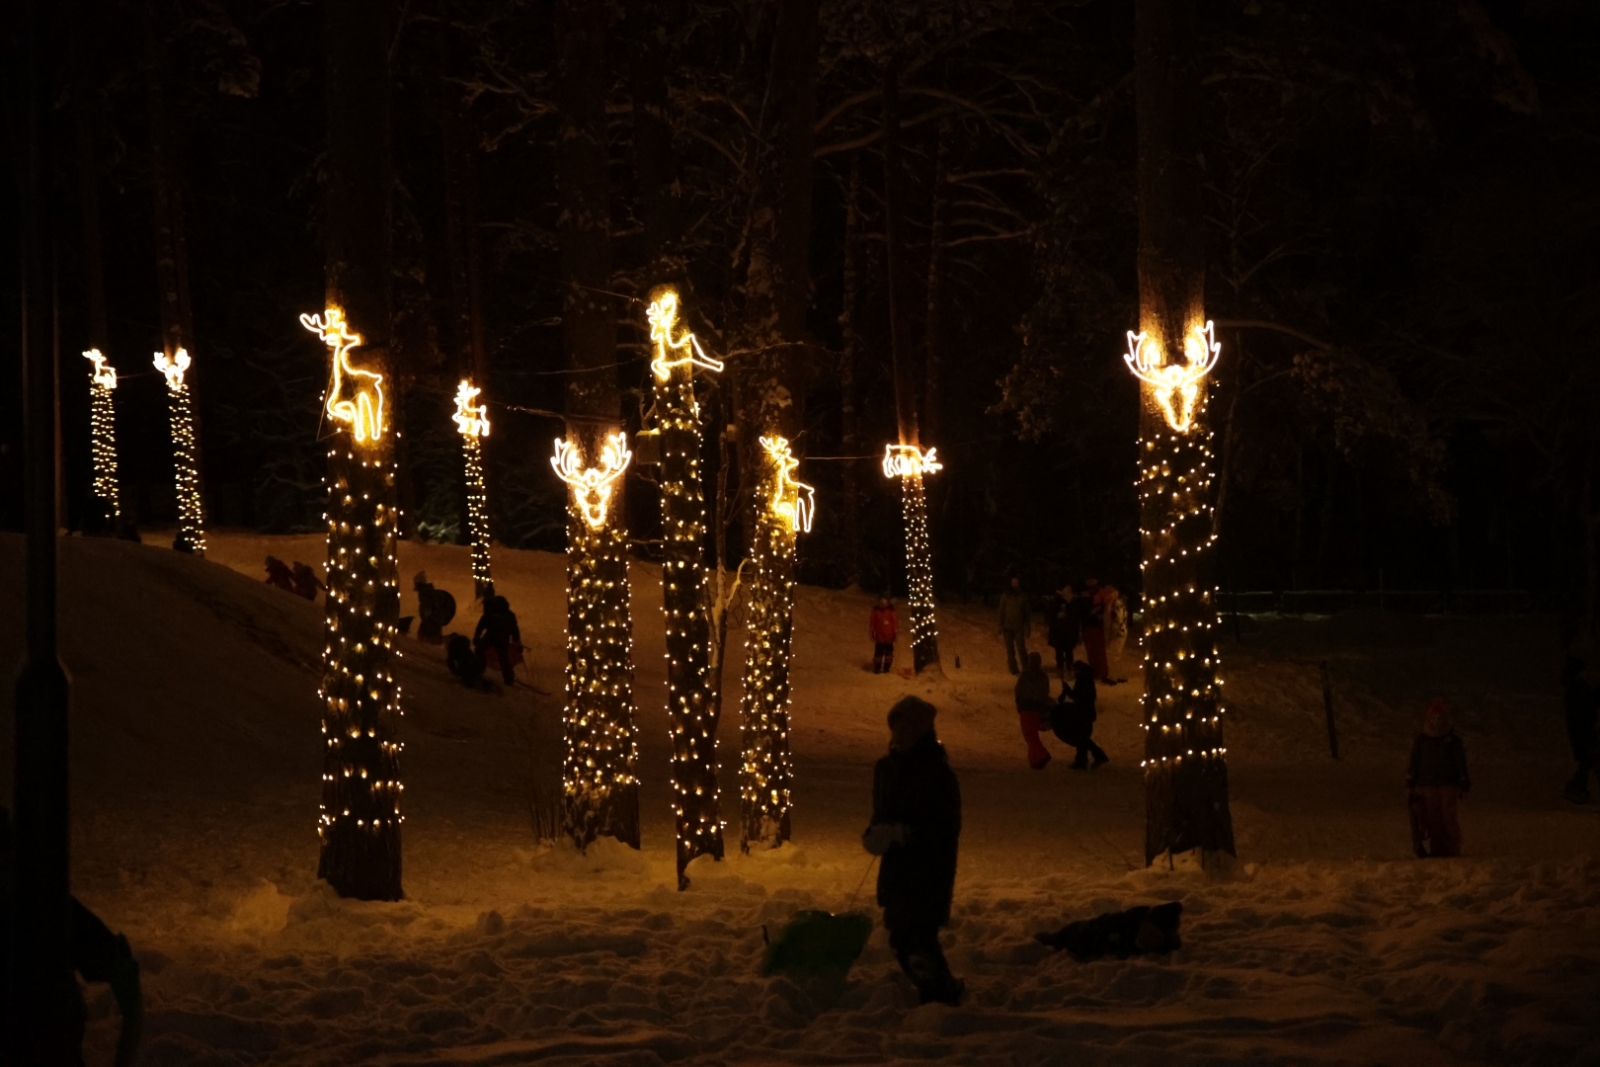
(883, 628)
(916, 828)
(1581, 701)
(497, 629)
(1436, 778)
(1074, 716)
(1033, 709)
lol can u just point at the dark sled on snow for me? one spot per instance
(818, 944)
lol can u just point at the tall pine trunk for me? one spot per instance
(600, 776)
(1185, 773)
(849, 353)
(654, 156)
(778, 290)
(913, 498)
(360, 826)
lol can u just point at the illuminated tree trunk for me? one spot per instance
(691, 694)
(478, 517)
(103, 435)
(913, 498)
(777, 289)
(600, 778)
(767, 775)
(172, 280)
(360, 823)
(103, 379)
(1185, 773)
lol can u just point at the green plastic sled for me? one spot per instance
(818, 943)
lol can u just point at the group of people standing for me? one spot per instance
(1089, 615)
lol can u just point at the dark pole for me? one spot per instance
(42, 986)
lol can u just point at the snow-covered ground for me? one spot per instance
(196, 763)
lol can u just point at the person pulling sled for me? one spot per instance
(1073, 717)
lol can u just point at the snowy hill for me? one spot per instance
(196, 770)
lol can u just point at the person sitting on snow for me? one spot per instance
(497, 630)
(916, 828)
(1032, 694)
(883, 628)
(306, 582)
(1436, 778)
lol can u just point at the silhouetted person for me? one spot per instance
(1436, 777)
(1580, 702)
(1014, 621)
(1032, 693)
(279, 575)
(464, 661)
(306, 582)
(883, 628)
(1074, 716)
(497, 630)
(1065, 626)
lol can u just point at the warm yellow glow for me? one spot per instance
(1176, 386)
(173, 367)
(663, 315)
(592, 485)
(471, 421)
(793, 501)
(902, 461)
(364, 413)
(104, 376)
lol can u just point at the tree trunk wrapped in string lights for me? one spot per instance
(473, 422)
(600, 773)
(1185, 772)
(691, 703)
(784, 509)
(185, 453)
(360, 822)
(909, 464)
(103, 434)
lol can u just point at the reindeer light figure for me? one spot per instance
(363, 413)
(1176, 385)
(105, 376)
(902, 461)
(591, 486)
(663, 316)
(793, 501)
(472, 421)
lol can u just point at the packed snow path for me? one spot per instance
(196, 770)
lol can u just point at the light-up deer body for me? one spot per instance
(363, 413)
(1176, 385)
(902, 461)
(472, 420)
(591, 486)
(793, 501)
(105, 376)
(670, 352)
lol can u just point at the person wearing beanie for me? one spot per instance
(1032, 693)
(1436, 778)
(916, 827)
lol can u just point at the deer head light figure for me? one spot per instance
(591, 486)
(1176, 385)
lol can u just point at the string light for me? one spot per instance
(909, 463)
(600, 781)
(473, 422)
(103, 432)
(591, 486)
(360, 817)
(1182, 706)
(185, 453)
(792, 501)
(691, 697)
(364, 413)
(1175, 386)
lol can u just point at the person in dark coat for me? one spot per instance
(1066, 623)
(497, 629)
(916, 828)
(1032, 694)
(1581, 701)
(883, 627)
(279, 575)
(1014, 624)
(1436, 778)
(306, 582)
(1074, 716)
(464, 661)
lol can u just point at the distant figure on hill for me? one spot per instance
(1436, 778)
(916, 828)
(497, 632)
(1014, 622)
(435, 609)
(1074, 716)
(1066, 626)
(883, 628)
(279, 575)
(1032, 694)
(1581, 702)
(306, 582)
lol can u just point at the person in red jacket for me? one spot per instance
(883, 629)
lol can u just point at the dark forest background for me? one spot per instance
(1401, 207)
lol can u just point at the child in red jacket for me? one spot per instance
(883, 629)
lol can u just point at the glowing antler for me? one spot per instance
(1176, 385)
(591, 486)
(364, 413)
(173, 367)
(663, 315)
